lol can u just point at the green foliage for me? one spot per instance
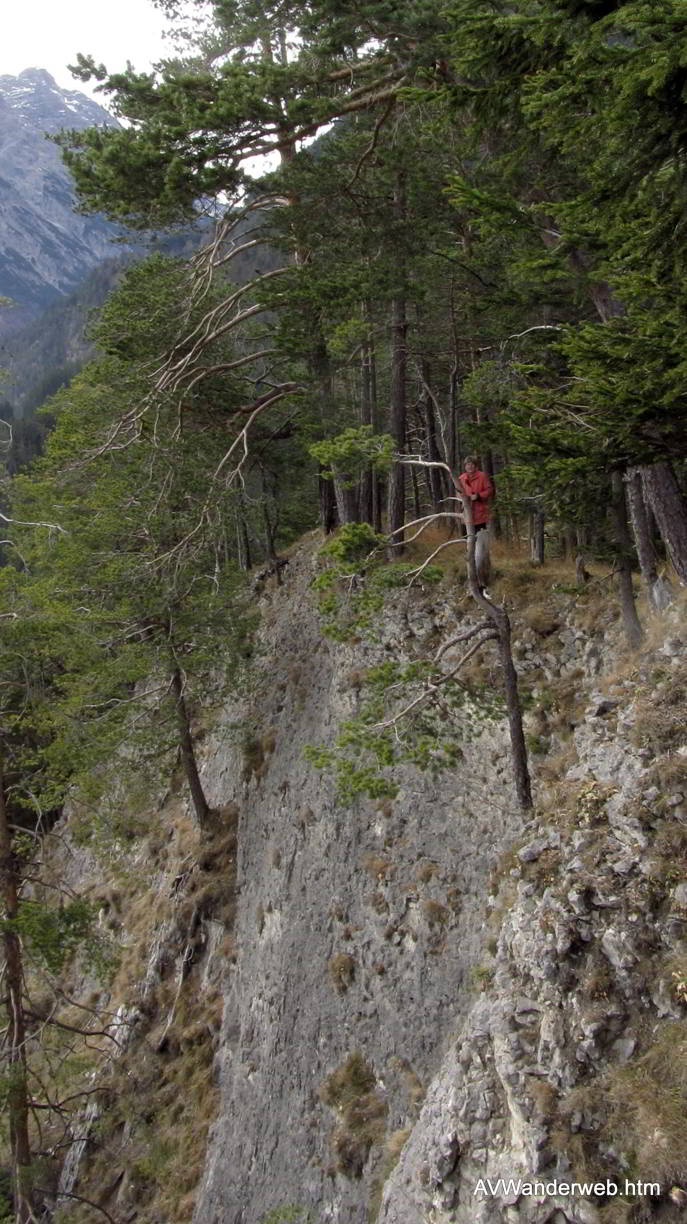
(610, 211)
(354, 450)
(131, 586)
(351, 591)
(352, 542)
(429, 736)
(53, 934)
(288, 1213)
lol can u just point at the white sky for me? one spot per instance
(48, 34)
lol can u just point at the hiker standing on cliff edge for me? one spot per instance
(475, 484)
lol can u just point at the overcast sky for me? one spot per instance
(48, 34)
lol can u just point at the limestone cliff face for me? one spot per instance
(426, 995)
(357, 929)
(431, 984)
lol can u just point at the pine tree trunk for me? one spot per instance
(435, 476)
(15, 1039)
(188, 756)
(500, 620)
(568, 543)
(482, 557)
(320, 368)
(399, 359)
(633, 629)
(670, 512)
(328, 515)
(368, 477)
(581, 574)
(242, 537)
(346, 499)
(454, 457)
(377, 481)
(521, 773)
(495, 527)
(537, 537)
(658, 587)
(416, 492)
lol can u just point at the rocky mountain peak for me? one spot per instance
(37, 101)
(46, 247)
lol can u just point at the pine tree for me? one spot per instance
(141, 562)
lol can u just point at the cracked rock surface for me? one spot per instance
(485, 968)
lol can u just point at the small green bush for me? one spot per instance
(352, 542)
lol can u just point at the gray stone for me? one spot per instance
(624, 863)
(609, 901)
(535, 848)
(615, 945)
(446, 1155)
(624, 1048)
(680, 896)
(526, 1008)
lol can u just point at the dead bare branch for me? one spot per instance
(461, 637)
(79, 1198)
(21, 523)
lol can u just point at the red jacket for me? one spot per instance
(480, 484)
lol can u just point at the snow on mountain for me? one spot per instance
(46, 248)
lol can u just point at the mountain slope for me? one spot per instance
(46, 248)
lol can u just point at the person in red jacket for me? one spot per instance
(478, 487)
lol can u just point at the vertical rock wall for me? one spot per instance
(358, 931)
(429, 994)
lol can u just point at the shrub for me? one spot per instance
(342, 972)
(350, 1090)
(352, 542)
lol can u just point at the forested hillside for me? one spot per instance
(468, 240)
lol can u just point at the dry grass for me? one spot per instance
(159, 1098)
(544, 1097)
(661, 713)
(451, 559)
(351, 1091)
(257, 749)
(378, 902)
(436, 915)
(413, 1086)
(378, 867)
(597, 982)
(155, 1125)
(393, 1146)
(513, 570)
(648, 1106)
(630, 1123)
(342, 972)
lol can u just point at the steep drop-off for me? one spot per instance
(423, 993)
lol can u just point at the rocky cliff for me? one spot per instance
(433, 1008)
